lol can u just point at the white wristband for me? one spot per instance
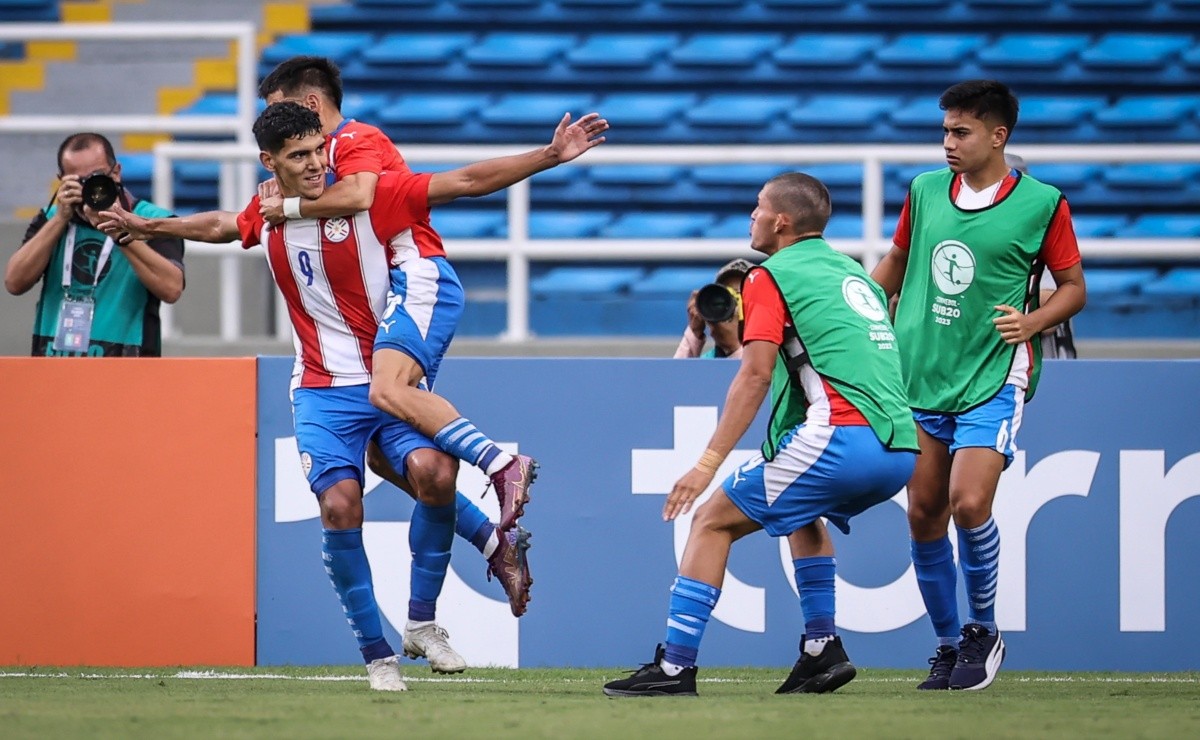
(291, 208)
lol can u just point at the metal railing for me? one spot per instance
(517, 250)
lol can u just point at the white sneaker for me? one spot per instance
(428, 640)
(385, 674)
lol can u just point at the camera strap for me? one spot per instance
(795, 356)
(69, 256)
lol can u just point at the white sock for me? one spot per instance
(670, 668)
(499, 462)
(817, 646)
(493, 542)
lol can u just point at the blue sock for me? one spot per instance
(461, 439)
(938, 580)
(814, 581)
(692, 603)
(979, 553)
(429, 537)
(471, 523)
(348, 569)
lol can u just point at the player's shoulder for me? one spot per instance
(357, 130)
(1046, 189)
(933, 178)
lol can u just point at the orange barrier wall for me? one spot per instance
(127, 506)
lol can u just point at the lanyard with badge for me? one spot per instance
(74, 332)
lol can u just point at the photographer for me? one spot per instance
(99, 297)
(726, 332)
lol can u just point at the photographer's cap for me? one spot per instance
(738, 266)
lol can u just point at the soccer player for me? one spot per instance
(971, 241)
(841, 438)
(334, 275)
(427, 305)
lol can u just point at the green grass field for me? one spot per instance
(334, 702)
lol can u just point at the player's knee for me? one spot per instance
(433, 475)
(341, 506)
(926, 515)
(377, 462)
(970, 510)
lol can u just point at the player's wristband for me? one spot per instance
(709, 462)
(291, 208)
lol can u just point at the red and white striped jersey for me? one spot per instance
(334, 274)
(357, 147)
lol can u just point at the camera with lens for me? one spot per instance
(717, 303)
(99, 191)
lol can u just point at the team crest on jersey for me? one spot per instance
(953, 267)
(859, 296)
(337, 229)
(306, 463)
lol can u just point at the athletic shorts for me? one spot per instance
(333, 428)
(425, 304)
(834, 472)
(993, 424)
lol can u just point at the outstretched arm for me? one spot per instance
(216, 227)
(481, 178)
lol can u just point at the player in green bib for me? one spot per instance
(970, 247)
(841, 438)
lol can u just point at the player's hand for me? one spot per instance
(122, 225)
(271, 210)
(268, 189)
(687, 489)
(68, 197)
(696, 322)
(1014, 326)
(572, 139)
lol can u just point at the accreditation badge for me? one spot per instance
(74, 325)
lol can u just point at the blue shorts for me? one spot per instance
(819, 471)
(425, 304)
(992, 425)
(333, 427)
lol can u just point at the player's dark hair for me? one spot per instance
(283, 121)
(86, 140)
(293, 76)
(803, 197)
(983, 99)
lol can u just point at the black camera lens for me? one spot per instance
(99, 191)
(716, 303)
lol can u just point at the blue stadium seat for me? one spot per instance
(929, 50)
(217, 104)
(1134, 50)
(1153, 176)
(582, 282)
(518, 49)
(393, 3)
(923, 5)
(736, 226)
(433, 109)
(844, 227)
(1058, 111)
(11, 49)
(1164, 226)
(540, 109)
(674, 280)
(656, 226)
(340, 47)
(500, 3)
(657, 175)
(566, 224)
(1096, 226)
(624, 50)
(644, 109)
(414, 49)
(469, 224)
(725, 50)
(843, 110)
(739, 110)
(1108, 283)
(28, 10)
(1109, 4)
(1067, 175)
(727, 175)
(1191, 57)
(364, 106)
(922, 113)
(827, 50)
(1179, 285)
(1032, 50)
(137, 168)
(1147, 111)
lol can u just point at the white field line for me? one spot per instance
(215, 675)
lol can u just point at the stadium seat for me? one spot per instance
(644, 109)
(1096, 226)
(415, 49)
(340, 47)
(827, 50)
(28, 10)
(656, 226)
(213, 104)
(674, 281)
(735, 226)
(1107, 284)
(517, 49)
(725, 50)
(364, 106)
(566, 224)
(581, 282)
(432, 110)
(922, 113)
(1153, 176)
(1163, 226)
(1179, 285)
(1058, 111)
(657, 175)
(730, 109)
(1147, 111)
(844, 227)
(623, 50)
(1032, 50)
(469, 224)
(838, 111)
(1109, 4)
(726, 175)
(1134, 50)
(928, 50)
(1065, 176)
(540, 109)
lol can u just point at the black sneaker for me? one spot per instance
(650, 680)
(942, 664)
(819, 674)
(980, 654)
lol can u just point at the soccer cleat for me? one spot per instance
(651, 680)
(819, 674)
(510, 564)
(512, 484)
(941, 664)
(430, 642)
(384, 674)
(980, 654)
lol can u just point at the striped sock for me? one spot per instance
(461, 439)
(691, 605)
(979, 554)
